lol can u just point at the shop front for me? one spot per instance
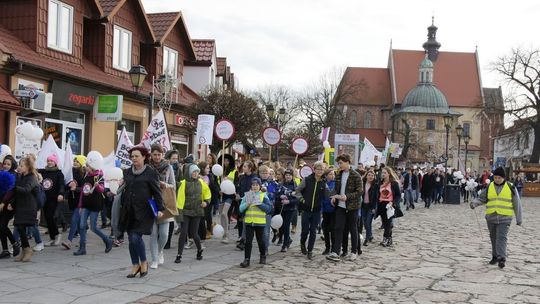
(180, 134)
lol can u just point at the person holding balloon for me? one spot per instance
(73, 196)
(229, 173)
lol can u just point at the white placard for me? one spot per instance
(224, 129)
(23, 144)
(122, 150)
(156, 133)
(271, 136)
(306, 171)
(205, 129)
(347, 138)
(300, 145)
(369, 152)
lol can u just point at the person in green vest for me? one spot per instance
(193, 196)
(502, 204)
(256, 205)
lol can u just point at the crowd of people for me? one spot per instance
(160, 192)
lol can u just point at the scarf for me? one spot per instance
(138, 172)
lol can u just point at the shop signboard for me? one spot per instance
(108, 107)
(73, 96)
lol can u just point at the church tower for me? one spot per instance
(431, 46)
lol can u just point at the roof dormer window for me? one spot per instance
(121, 49)
(60, 26)
(170, 62)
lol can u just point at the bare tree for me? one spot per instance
(280, 97)
(521, 72)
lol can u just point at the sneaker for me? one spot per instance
(177, 231)
(333, 257)
(284, 249)
(293, 229)
(161, 258)
(225, 240)
(344, 254)
(493, 261)
(50, 243)
(178, 259)
(57, 240)
(310, 255)
(5, 254)
(188, 244)
(303, 249)
(66, 245)
(352, 257)
(154, 265)
(502, 263)
(38, 247)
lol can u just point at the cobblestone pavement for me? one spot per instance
(440, 255)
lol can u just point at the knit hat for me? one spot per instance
(290, 172)
(53, 158)
(256, 180)
(193, 168)
(499, 172)
(81, 159)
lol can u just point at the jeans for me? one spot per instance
(366, 219)
(286, 227)
(190, 226)
(346, 222)
(75, 222)
(439, 194)
(34, 230)
(258, 231)
(158, 238)
(137, 251)
(409, 198)
(328, 229)
(50, 211)
(310, 222)
(93, 215)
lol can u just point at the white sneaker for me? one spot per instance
(38, 247)
(50, 243)
(161, 258)
(225, 240)
(333, 257)
(352, 257)
(154, 265)
(57, 240)
(188, 244)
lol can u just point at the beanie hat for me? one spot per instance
(53, 158)
(499, 172)
(193, 168)
(256, 180)
(81, 159)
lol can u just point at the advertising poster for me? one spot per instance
(347, 144)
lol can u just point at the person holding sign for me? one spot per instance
(136, 215)
(256, 206)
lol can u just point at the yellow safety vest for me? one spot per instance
(254, 215)
(297, 181)
(230, 176)
(206, 194)
(501, 203)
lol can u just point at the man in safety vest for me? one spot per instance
(502, 204)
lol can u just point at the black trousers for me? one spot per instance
(190, 226)
(23, 236)
(310, 221)
(5, 233)
(387, 224)
(328, 229)
(50, 211)
(345, 222)
(169, 236)
(258, 231)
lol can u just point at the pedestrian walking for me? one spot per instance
(369, 205)
(286, 204)
(25, 205)
(53, 184)
(502, 202)
(256, 205)
(8, 176)
(243, 186)
(328, 213)
(229, 173)
(73, 196)
(271, 188)
(137, 216)
(389, 196)
(193, 196)
(428, 188)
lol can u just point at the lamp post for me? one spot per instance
(447, 124)
(466, 140)
(275, 120)
(137, 74)
(459, 132)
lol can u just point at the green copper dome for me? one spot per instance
(426, 63)
(425, 98)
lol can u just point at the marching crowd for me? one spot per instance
(159, 193)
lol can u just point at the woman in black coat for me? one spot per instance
(25, 205)
(136, 215)
(389, 193)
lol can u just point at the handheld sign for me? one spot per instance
(306, 171)
(224, 129)
(300, 145)
(271, 136)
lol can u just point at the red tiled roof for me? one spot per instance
(204, 49)
(8, 100)
(455, 74)
(109, 5)
(375, 136)
(163, 23)
(372, 85)
(88, 72)
(221, 66)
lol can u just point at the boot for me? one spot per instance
(81, 251)
(245, 263)
(5, 254)
(199, 254)
(389, 242)
(16, 248)
(27, 254)
(262, 260)
(493, 260)
(383, 243)
(502, 263)
(108, 245)
(303, 249)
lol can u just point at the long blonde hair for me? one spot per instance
(391, 174)
(29, 163)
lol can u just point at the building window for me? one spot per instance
(121, 49)
(467, 129)
(430, 124)
(352, 121)
(367, 120)
(170, 62)
(133, 128)
(60, 26)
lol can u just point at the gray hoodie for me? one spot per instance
(497, 218)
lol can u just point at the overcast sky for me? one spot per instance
(291, 42)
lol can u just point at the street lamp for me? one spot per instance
(282, 115)
(447, 124)
(466, 140)
(459, 132)
(137, 74)
(270, 112)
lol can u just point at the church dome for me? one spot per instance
(425, 98)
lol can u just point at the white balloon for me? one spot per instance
(217, 170)
(5, 150)
(227, 187)
(218, 231)
(113, 173)
(94, 159)
(326, 144)
(37, 133)
(26, 129)
(463, 181)
(468, 170)
(277, 221)
(113, 186)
